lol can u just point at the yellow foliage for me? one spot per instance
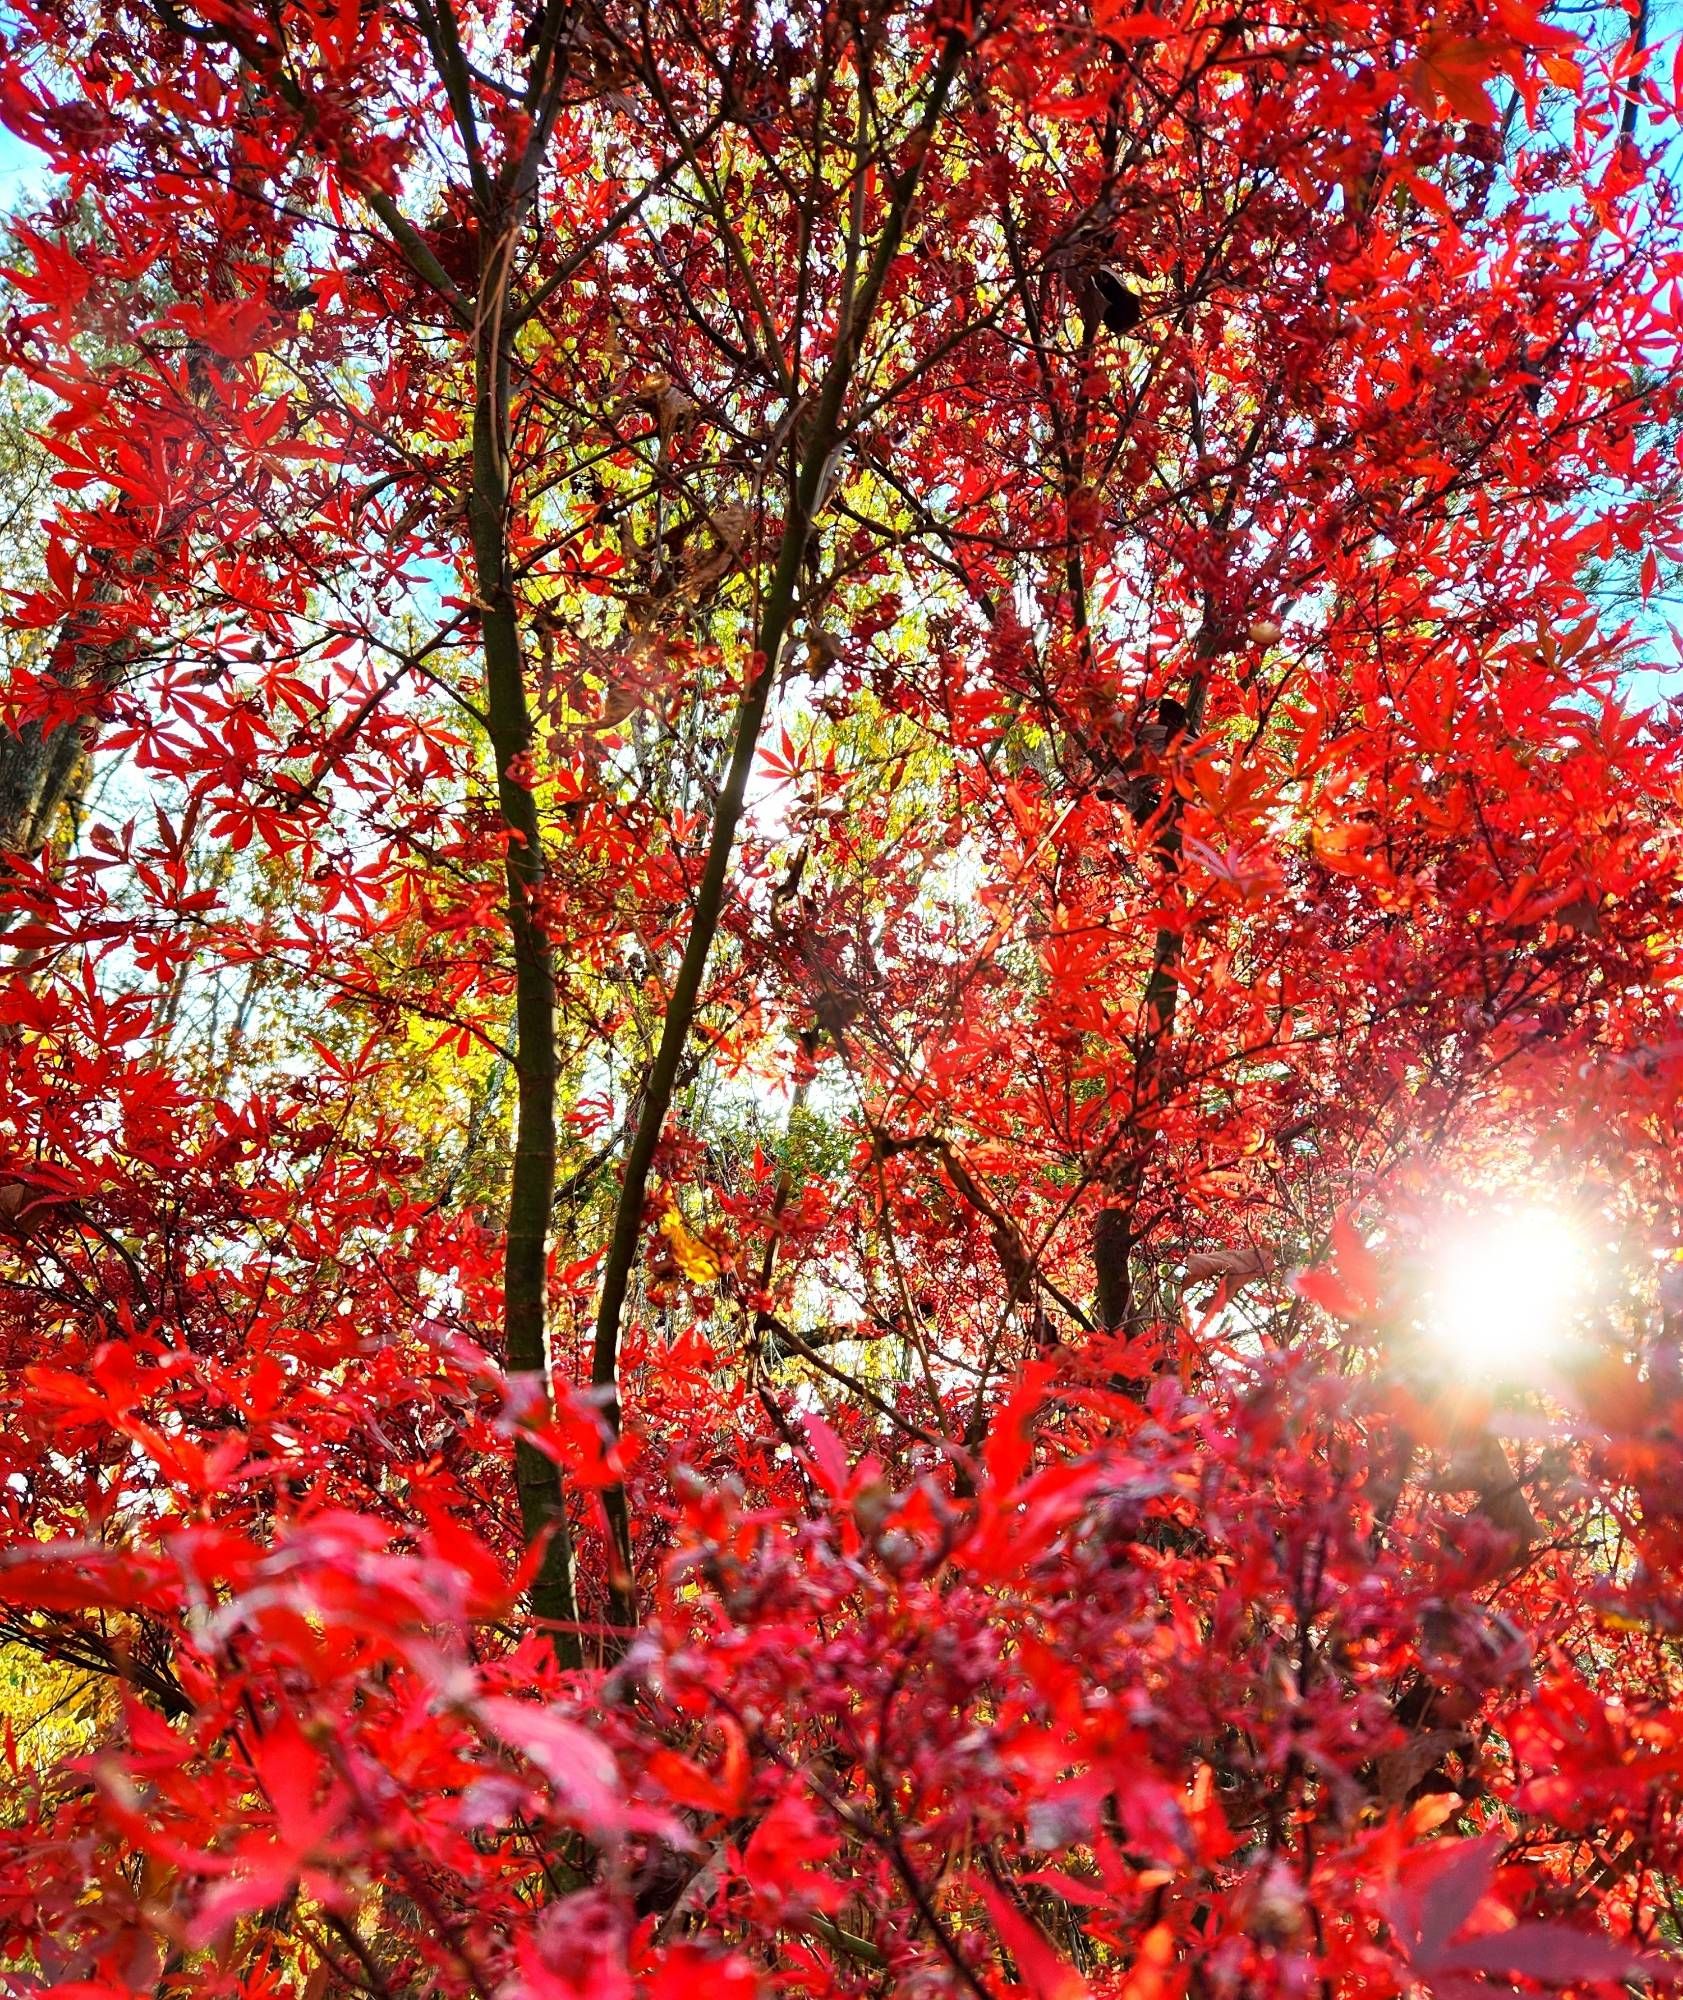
(697, 1262)
(54, 1711)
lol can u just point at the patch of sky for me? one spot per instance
(23, 171)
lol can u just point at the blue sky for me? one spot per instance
(19, 164)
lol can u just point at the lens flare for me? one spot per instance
(1504, 1287)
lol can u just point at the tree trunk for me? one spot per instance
(543, 1512)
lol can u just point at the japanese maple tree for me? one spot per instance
(839, 1051)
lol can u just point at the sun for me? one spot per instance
(1503, 1287)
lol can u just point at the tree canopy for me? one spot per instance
(841, 1032)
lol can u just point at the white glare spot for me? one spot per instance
(1503, 1288)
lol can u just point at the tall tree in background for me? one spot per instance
(864, 803)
